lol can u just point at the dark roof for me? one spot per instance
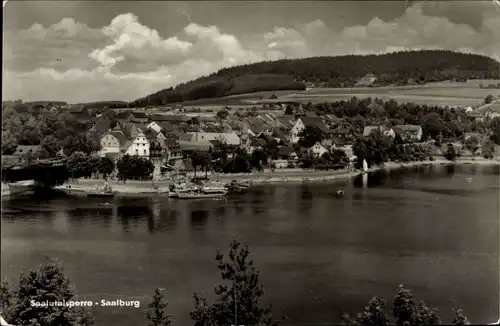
(278, 133)
(171, 143)
(340, 130)
(124, 114)
(216, 143)
(285, 151)
(122, 138)
(170, 118)
(195, 146)
(140, 115)
(165, 125)
(315, 122)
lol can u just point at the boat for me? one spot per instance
(18, 188)
(339, 193)
(213, 188)
(106, 191)
(235, 185)
(200, 194)
(5, 190)
(176, 188)
(365, 166)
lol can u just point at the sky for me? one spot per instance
(86, 51)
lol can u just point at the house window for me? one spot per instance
(144, 152)
(137, 151)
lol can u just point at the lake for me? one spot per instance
(435, 230)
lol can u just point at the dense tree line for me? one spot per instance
(81, 165)
(237, 300)
(134, 168)
(53, 131)
(398, 68)
(437, 122)
(215, 87)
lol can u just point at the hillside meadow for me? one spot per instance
(441, 93)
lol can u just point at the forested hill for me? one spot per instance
(397, 68)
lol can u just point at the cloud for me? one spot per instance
(136, 47)
(126, 59)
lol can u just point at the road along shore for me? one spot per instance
(136, 187)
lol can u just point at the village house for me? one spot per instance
(153, 125)
(80, 112)
(139, 146)
(409, 132)
(286, 156)
(173, 150)
(318, 150)
(386, 131)
(195, 146)
(114, 143)
(304, 122)
(341, 136)
(132, 116)
(230, 138)
(367, 80)
(218, 147)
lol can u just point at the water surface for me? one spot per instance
(435, 230)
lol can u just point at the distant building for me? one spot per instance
(230, 138)
(409, 132)
(386, 131)
(139, 146)
(114, 143)
(318, 150)
(367, 80)
(304, 122)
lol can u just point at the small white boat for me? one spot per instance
(18, 188)
(5, 190)
(365, 166)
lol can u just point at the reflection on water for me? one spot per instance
(434, 229)
(199, 218)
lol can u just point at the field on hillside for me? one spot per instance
(442, 94)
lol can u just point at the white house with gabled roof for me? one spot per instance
(139, 146)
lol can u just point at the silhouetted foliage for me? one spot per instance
(405, 312)
(155, 313)
(488, 99)
(238, 299)
(45, 283)
(134, 168)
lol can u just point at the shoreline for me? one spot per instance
(137, 187)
